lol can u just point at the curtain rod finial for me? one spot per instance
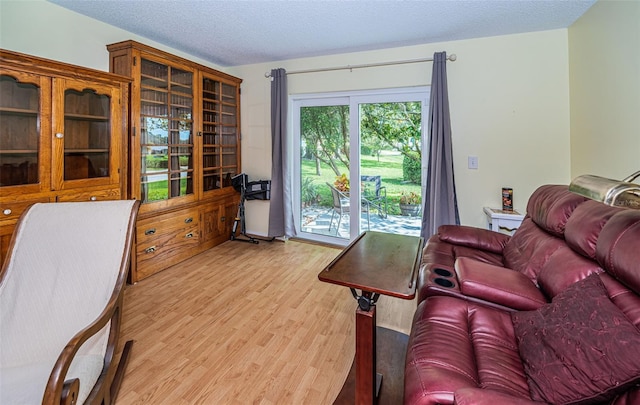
(267, 74)
(453, 57)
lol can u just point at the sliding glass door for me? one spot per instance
(358, 157)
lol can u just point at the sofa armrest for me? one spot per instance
(479, 396)
(477, 238)
(496, 284)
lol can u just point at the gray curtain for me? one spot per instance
(440, 202)
(280, 208)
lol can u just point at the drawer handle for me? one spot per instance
(222, 219)
(150, 231)
(188, 220)
(93, 198)
(59, 135)
(150, 249)
(7, 211)
(189, 235)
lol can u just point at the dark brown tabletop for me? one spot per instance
(378, 262)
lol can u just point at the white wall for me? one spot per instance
(40, 28)
(509, 100)
(604, 61)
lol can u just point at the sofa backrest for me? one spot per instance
(599, 239)
(563, 268)
(585, 224)
(576, 259)
(618, 248)
(551, 206)
(542, 231)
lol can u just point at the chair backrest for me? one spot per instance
(371, 182)
(340, 200)
(64, 264)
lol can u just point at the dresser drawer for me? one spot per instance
(11, 211)
(150, 229)
(98, 195)
(165, 240)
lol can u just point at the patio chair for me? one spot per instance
(61, 296)
(375, 193)
(341, 207)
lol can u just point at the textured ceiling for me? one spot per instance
(238, 32)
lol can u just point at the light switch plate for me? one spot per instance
(473, 162)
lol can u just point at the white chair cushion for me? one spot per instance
(25, 385)
(60, 277)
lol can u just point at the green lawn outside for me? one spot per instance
(389, 166)
(158, 190)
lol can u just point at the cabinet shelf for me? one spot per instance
(181, 93)
(18, 151)
(173, 105)
(86, 117)
(89, 150)
(180, 84)
(154, 102)
(158, 78)
(153, 88)
(17, 111)
(162, 117)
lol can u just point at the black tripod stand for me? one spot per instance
(249, 190)
(240, 182)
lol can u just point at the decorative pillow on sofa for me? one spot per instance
(580, 348)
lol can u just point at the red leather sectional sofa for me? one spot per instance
(548, 315)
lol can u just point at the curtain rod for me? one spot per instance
(451, 57)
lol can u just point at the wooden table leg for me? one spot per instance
(366, 382)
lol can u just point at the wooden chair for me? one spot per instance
(61, 296)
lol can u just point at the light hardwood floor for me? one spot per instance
(244, 324)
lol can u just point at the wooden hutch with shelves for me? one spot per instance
(62, 135)
(184, 149)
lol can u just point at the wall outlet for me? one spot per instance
(473, 162)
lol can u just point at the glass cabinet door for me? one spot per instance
(85, 120)
(20, 125)
(229, 131)
(166, 135)
(219, 133)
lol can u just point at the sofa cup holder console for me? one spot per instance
(442, 272)
(443, 282)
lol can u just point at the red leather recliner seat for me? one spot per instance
(464, 347)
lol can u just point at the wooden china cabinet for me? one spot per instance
(62, 132)
(184, 150)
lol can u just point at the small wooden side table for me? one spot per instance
(375, 263)
(503, 221)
